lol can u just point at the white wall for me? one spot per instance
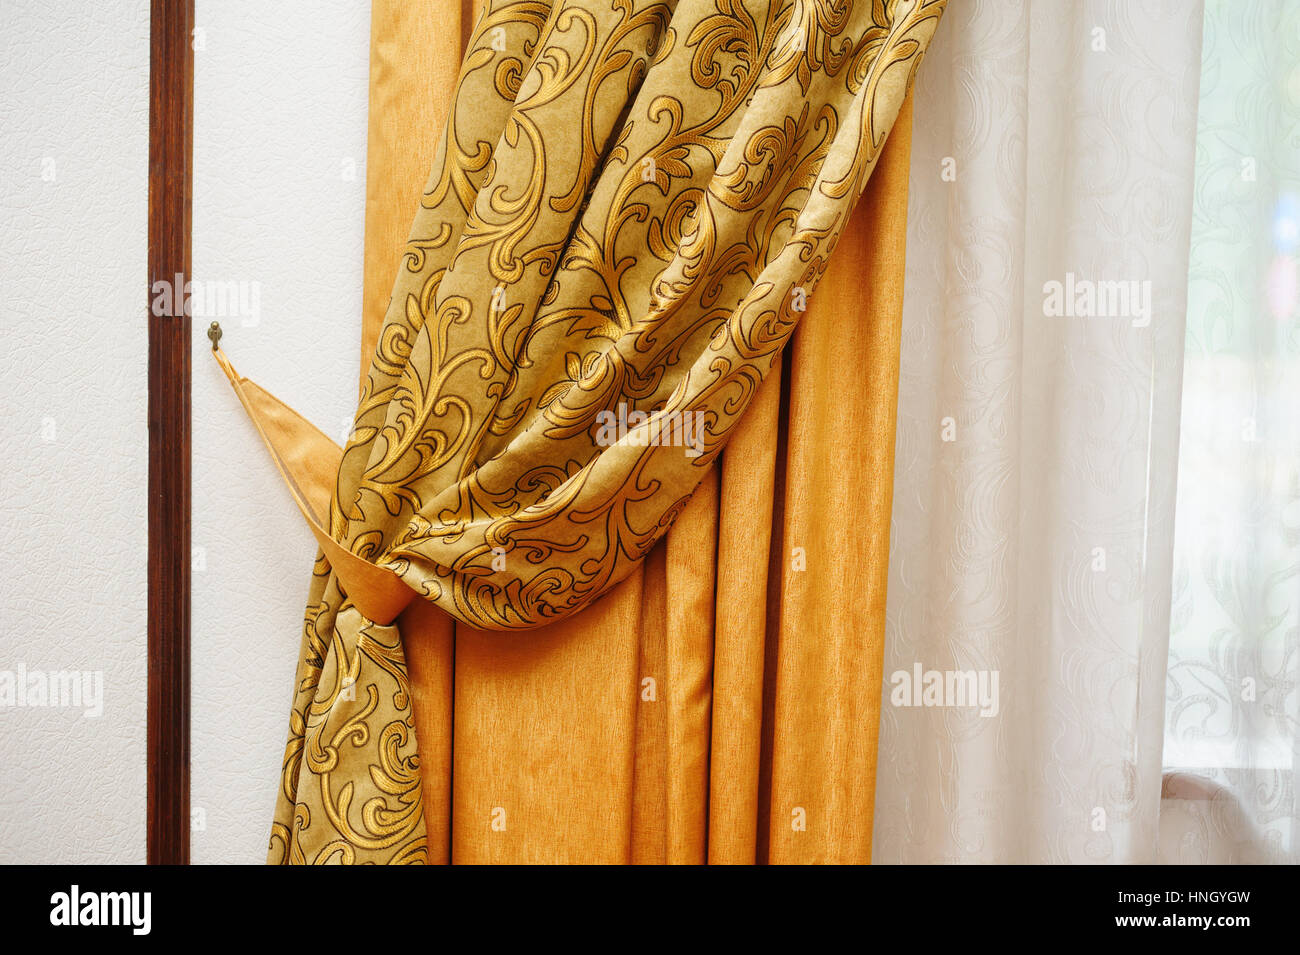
(74, 128)
(280, 93)
(279, 188)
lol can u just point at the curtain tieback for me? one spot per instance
(308, 461)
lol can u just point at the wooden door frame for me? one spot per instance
(171, 128)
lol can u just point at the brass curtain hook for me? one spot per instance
(214, 333)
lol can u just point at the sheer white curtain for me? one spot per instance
(1038, 433)
(1233, 703)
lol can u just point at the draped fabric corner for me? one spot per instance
(629, 209)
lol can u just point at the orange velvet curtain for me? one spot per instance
(722, 703)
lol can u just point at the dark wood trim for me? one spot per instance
(171, 124)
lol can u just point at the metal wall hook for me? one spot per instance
(214, 333)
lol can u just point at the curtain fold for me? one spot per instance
(628, 212)
(528, 317)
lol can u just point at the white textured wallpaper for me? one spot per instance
(280, 95)
(74, 154)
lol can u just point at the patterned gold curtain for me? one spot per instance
(630, 206)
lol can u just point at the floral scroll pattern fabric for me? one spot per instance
(630, 206)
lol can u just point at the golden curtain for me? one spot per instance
(630, 204)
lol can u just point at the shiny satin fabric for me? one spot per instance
(630, 207)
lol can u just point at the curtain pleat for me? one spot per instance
(415, 55)
(745, 537)
(835, 556)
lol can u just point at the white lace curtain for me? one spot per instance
(1057, 185)
(1231, 750)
